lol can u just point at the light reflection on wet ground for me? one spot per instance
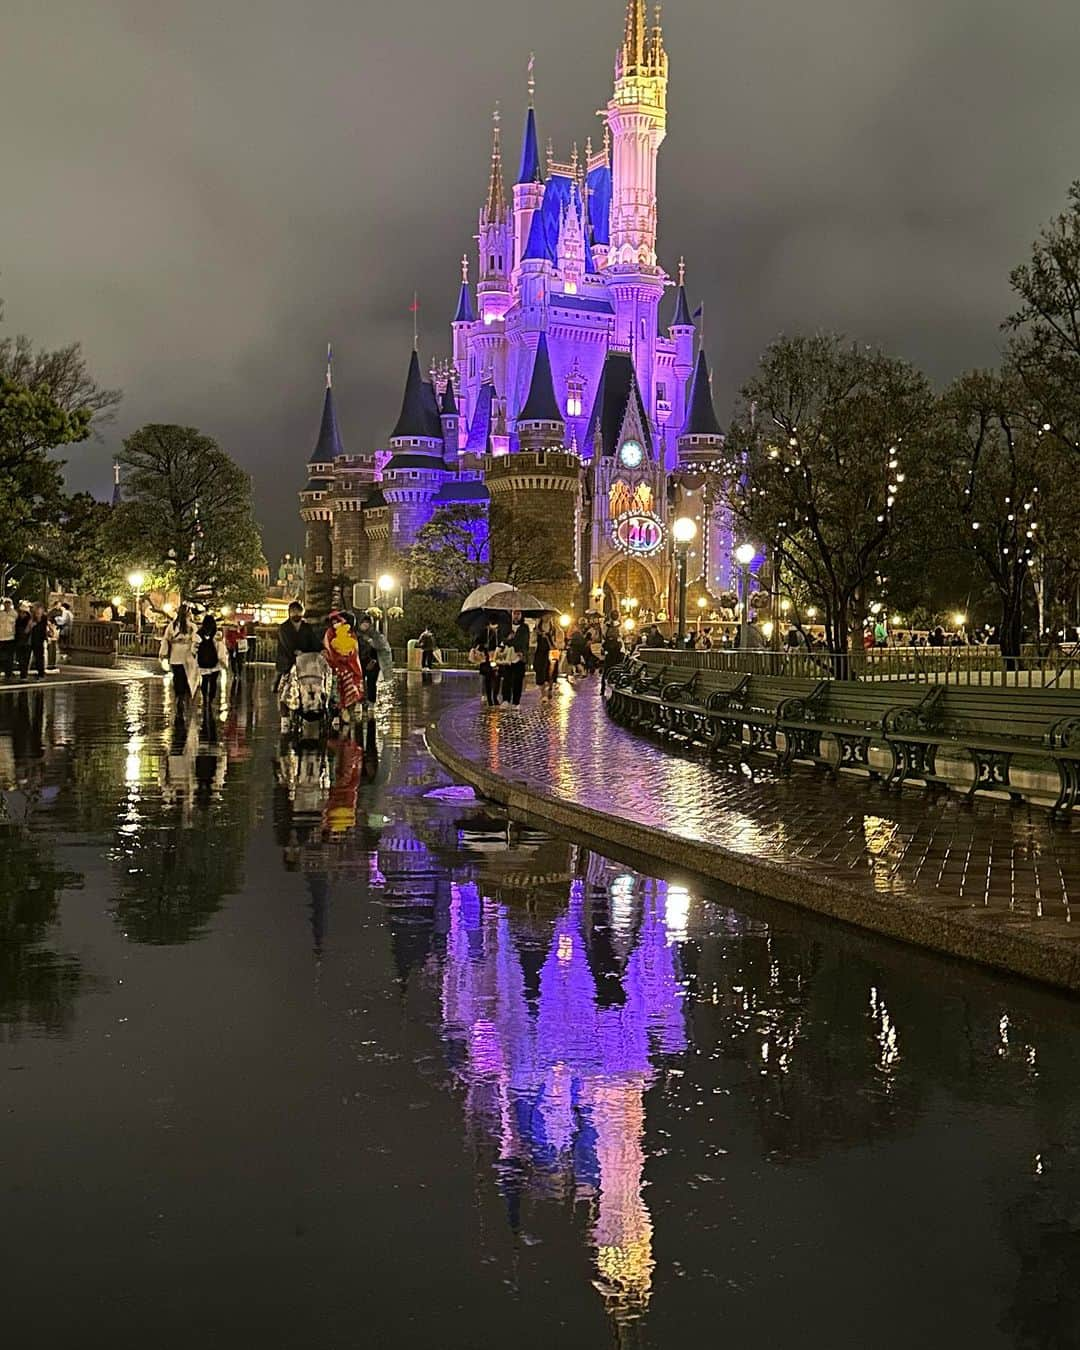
(315, 1049)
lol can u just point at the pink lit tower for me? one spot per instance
(567, 299)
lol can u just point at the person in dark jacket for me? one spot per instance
(39, 631)
(489, 644)
(546, 658)
(613, 653)
(514, 670)
(426, 643)
(295, 635)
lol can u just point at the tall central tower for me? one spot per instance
(637, 119)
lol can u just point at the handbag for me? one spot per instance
(476, 656)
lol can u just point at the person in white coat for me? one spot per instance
(178, 653)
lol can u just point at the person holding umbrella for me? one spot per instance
(517, 646)
(486, 650)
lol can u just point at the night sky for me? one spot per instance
(204, 194)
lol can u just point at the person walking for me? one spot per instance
(517, 645)
(211, 657)
(376, 658)
(546, 657)
(40, 632)
(489, 648)
(178, 651)
(344, 655)
(64, 619)
(613, 654)
(23, 622)
(7, 638)
(576, 649)
(236, 641)
(295, 635)
(426, 643)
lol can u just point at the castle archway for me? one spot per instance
(630, 578)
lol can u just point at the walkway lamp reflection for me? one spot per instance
(744, 556)
(137, 580)
(684, 532)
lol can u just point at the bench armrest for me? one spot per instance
(1064, 734)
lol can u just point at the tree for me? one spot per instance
(1045, 348)
(991, 463)
(187, 508)
(826, 449)
(450, 556)
(47, 399)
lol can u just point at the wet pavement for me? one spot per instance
(305, 1049)
(1011, 865)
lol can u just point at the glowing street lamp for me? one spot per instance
(744, 556)
(684, 532)
(137, 580)
(387, 585)
(565, 621)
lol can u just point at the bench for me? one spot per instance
(762, 707)
(688, 708)
(853, 715)
(631, 681)
(993, 726)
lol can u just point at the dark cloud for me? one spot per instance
(205, 193)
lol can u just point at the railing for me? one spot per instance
(1056, 667)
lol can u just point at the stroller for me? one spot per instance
(311, 713)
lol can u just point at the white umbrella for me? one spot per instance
(479, 598)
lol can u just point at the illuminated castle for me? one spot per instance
(563, 400)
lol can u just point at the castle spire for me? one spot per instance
(495, 207)
(329, 366)
(532, 80)
(682, 317)
(634, 39)
(465, 312)
(541, 404)
(530, 150)
(700, 413)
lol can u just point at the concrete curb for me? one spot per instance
(1020, 951)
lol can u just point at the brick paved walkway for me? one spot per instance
(987, 869)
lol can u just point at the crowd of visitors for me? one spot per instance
(356, 653)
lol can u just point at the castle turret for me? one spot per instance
(701, 440)
(451, 424)
(637, 118)
(540, 424)
(682, 329)
(529, 188)
(416, 470)
(495, 240)
(315, 509)
(461, 326)
(535, 266)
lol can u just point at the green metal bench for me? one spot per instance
(993, 726)
(853, 715)
(762, 707)
(635, 680)
(688, 708)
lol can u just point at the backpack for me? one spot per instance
(207, 655)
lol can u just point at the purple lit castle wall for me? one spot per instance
(571, 256)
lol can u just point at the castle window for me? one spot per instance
(318, 563)
(661, 392)
(397, 525)
(348, 557)
(644, 332)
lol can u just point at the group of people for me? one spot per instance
(196, 656)
(25, 633)
(356, 653)
(502, 656)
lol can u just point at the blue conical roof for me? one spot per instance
(541, 404)
(682, 317)
(329, 444)
(536, 248)
(530, 151)
(465, 310)
(700, 413)
(419, 410)
(449, 402)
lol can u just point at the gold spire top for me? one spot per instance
(682, 271)
(464, 269)
(532, 79)
(495, 209)
(634, 40)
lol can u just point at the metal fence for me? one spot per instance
(1053, 667)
